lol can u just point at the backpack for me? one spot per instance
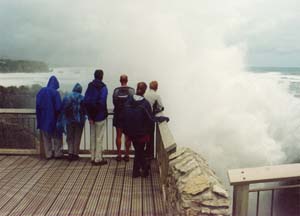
(120, 97)
(69, 109)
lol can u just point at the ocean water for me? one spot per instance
(69, 76)
(286, 75)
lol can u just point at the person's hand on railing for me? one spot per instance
(162, 119)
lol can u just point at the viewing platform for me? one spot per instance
(180, 181)
(32, 186)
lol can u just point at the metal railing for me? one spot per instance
(18, 133)
(241, 179)
(19, 124)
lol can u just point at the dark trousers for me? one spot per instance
(150, 144)
(74, 132)
(139, 157)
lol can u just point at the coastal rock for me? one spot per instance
(9, 66)
(196, 185)
(221, 191)
(192, 188)
(216, 203)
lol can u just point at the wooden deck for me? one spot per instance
(30, 186)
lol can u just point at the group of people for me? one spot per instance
(135, 114)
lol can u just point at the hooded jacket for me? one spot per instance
(72, 108)
(48, 106)
(95, 100)
(138, 116)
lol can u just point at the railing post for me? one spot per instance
(240, 200)
(42, 150)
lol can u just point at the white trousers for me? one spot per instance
(97, 140)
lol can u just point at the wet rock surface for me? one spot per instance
(192, 188)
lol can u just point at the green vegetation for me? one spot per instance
(18, 97)
(10, 66)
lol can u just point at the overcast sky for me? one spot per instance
(73, 32)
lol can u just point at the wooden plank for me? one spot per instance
(167, 137)
(29, 111)
(117, 190)
(84, 194)
(5, 163)
(103, 201)
(12, 185)
(2, 157)
(19, 151)
(67, 207)
(17, 175)
(61, 198)
(12, 170)
(96, 191)
(137, 197)
(125, 207)
(46, 189)
(59, 188)
(47, 203)
(240, 200)
(274, 188)
(17, 111)
(22, 186)
(148, 203)
(115, 152)
(28, 198)
(264, 174)
(156, 187)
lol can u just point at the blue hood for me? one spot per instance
(53, 83)
(77, 88)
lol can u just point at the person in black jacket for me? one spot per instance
(138, 119)
(120, 96)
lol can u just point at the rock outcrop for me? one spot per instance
(8, 65)
(192, 188)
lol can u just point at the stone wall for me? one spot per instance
(192, 188)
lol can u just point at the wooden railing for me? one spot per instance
(24, 121)
(242, 178)
(165, 145)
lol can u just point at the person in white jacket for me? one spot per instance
(157, 107)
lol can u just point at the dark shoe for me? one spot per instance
(118, 158)
(101, 163)
(60, 157)
(70, 157)
(76, 157)
(93, 163)
(136, 175)
(126, 158)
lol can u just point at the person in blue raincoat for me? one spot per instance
(48, 107)
(96, 107)
(73, 119)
